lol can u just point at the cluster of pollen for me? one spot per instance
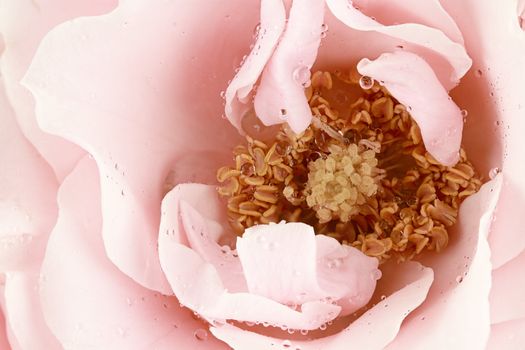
(360, 173)
(338, 185)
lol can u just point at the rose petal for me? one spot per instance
(269, 31)
(494, 98)
(456, 313)
(24, 313)
(448, 58)
(427, 12)
(197, 285)
(376, 328)
(280, 95)
(4, 340)
(289, 264)
(132, 106)
(15, 19)
(79, 282)
(508, 288)
(507, 335)
(411, 80)
(27, 196)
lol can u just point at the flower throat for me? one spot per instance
(359, 173)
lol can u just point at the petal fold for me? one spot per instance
(448, 58)
(413, 82)
(280, 95)
(268, 31)
(138, 108)
(289, 264)
(373, 330)
(456, 313)
(87, 301)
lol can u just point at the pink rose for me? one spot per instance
(113, 108)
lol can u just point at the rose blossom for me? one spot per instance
(133, 87)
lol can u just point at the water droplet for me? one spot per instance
(494, 172)
(201, 334)
(323, 327)
(464, 113)
(256, 30)
(302, 75)
(366, 82)
(459, 279)
(223, 94)
(376, 274)
(478, 73)
(383, 297)
(283, 114)
(304, 331)
(334, 263)
(287, 344)
(324, 30)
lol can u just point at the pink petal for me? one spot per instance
(507, 300)
(427, 12)
(508, 335)
(87, 301)
(280, 95)
(4, 340)
(447, 58)
(456, 313)
(198, 286)
(140, 106)
(495, 100)
(376, 328)
(411, 80)
(27, 196)
(289, 264)
(24, 313)
(15, 19)
(272, 24)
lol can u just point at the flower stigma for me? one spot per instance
(359, 173)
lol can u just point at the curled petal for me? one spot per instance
(268, 33)
(87, 301)
(21, 44)
(198, 286)
(456, 313)
(280, 95)
(412, 81)
(456, 60)
(373, 330)
(288, 263)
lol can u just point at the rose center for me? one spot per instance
(359, 173)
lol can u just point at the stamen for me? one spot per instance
(360, 173)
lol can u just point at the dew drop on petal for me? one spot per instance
(323, 327)
(493, 172)
(201, 334)
(301, 75)
(283, 114)
(459, 279)
(478, 73)
(383, 297)
(324, 30)
(376, 275)
(366, 82)
(287, 344)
